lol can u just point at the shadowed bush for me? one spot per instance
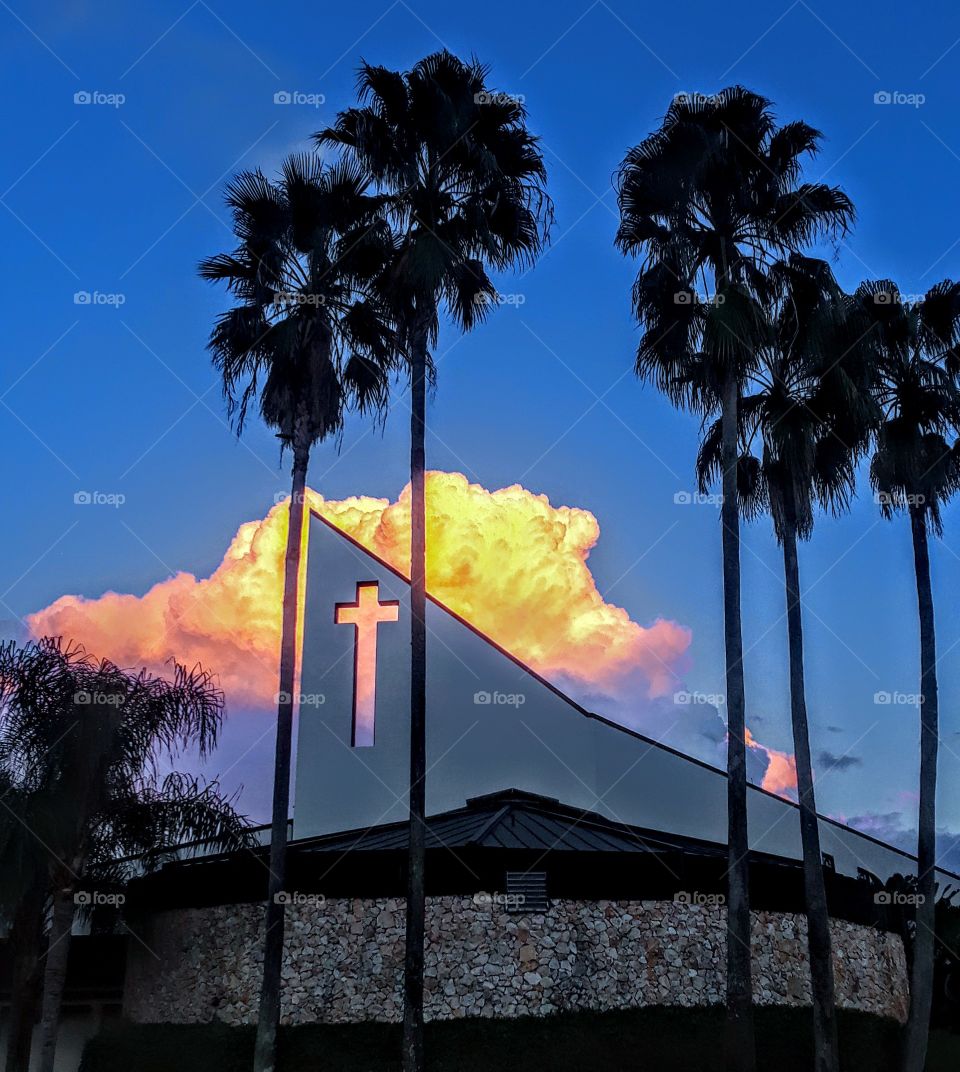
(658, 1040)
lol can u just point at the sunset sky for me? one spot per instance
(121, 197)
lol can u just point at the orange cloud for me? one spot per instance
(507, 561)
(780, 777)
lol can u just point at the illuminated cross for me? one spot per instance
(366, 614)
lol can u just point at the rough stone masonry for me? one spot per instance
(344, 960)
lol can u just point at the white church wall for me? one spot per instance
(526, 737)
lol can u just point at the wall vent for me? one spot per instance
(527, 891)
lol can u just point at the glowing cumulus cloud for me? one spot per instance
(507, 561)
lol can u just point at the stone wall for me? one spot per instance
(344, 960)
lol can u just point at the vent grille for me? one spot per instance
(527, 891)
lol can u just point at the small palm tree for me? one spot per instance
(810, 410)
(307, 338)
(23, 899)
(916, 469)
(708, 201)
(80, 745)
(463, 179)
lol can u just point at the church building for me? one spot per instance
(571, 863)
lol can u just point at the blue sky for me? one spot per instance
(123, 198)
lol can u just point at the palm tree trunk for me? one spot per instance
(416, 896)
(26, 933)
(826, 1051)
(55, 976)
(741, 1055)
(265, 1053)
(921, 980)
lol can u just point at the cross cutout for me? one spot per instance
(365, 615)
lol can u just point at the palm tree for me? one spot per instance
(916, 469)
(811, 409)
(22, 904)
(307, 337)
(464, 183)
(708, 200)
(80, 745)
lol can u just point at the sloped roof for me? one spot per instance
(513, 819)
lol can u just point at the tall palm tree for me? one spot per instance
(307, 338)
(80, 745)
(915, 469)
(810, 411)
(708, 200)
(464, 182)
